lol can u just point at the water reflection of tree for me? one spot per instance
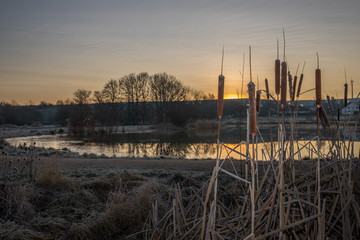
(157, 149)
(172, 149)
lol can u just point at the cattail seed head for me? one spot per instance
(252, 108)
(277, 76)
(294, 88)
(318, 87)
(345, 94)
(291, 90)
(220, 103)
(329, 104)
(283, 84)
(323, 118)
(267, 89)
(258, 98)
(299, 87)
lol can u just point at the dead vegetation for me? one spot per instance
(82, 204)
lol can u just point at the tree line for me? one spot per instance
(132, 99)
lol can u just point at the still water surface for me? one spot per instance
(179, 145)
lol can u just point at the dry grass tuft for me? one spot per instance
(11, 230)
(52, 225)
(15, 199)
(51, 174)
(123, 213)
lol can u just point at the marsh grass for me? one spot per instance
(86, 205)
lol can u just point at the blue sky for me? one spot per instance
(49, 48)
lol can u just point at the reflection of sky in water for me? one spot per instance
(169, 149)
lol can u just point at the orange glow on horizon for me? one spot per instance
(233, 96)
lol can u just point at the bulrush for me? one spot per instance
(329, 104)
(252, 108)
(220, 103)
(318, 87)
(283, 84)
(323, 118)
(277, 72)
(345, 95)
(294, 89)
(318, 84)
(258, 99)
(267, 89)
(299, 87)
(277, 76)
(291, 90)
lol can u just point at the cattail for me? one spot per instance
(283, 84)
(267, 89)
(252, 108)
(294, 88)
(318, 83)
(338, 114)
(291, 90)
(329, 104)
(258, 98)
(318, 87)
(220, 104)
(345, 94)
(323, 118)
(300, 83)
(277, 76)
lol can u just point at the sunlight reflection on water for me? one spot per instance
(157, 148)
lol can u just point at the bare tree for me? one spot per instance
(98, 97)
(111, 91)
(127, 87)
(198, 95)
(81, 96)
(141, 89)
(81, 121)
(165, 89)
(141, 96)
(211, 96)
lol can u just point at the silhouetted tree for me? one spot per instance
(165, 89)
(81, 121)
(134, 88)
(142, 93)
(81, 96)
(111, 91)
(98, 97)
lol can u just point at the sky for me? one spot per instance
(49, 48)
